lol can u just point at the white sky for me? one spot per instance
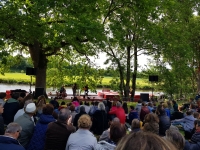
(142, 61)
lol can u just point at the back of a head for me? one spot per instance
(48, 109)
(176, 138)
(64, 114)
(82, 109)
(151, 118)
(101, 106)
(115, 119)
(72, 107)
(27, 102)
(13, 128)
(85, 122)
(96, 103)
(189, 112)
(28, 97)
(119, 104)
(15, 95)
(117, 131)
(2, 95)
(196, 115)
(135, 124)
(144, 141)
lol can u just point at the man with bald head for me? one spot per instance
(58, 132)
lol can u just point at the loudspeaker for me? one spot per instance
(38, 92)
(144, 96)
(153, 78)
(31, 71)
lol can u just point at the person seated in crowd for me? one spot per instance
(138, 107)
(132, 115)
(20, 112)
(1, 120)
(76, 118)
(167, 110)
(106, 134)
(55, 103)
(99, 120)
(119, 113)
(193, 107)
(27, 124)
(187, 122)
(151, 123)
(117, 132)
(144, 111)
(39, 104)
(10, 108)
(93, 108)
(164, 120)
(135, 125)
(73, 112)
(144, 141)
(175, 137)
(82, 139)
(59, 131)
(196, 115)
(9, 140)
(63, 105)
(150, 107)
(194, 143)
(38, 139)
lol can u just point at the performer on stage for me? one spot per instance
(74, 88)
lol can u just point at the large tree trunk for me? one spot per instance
(128, 66)
(134, 75)
(40, 62)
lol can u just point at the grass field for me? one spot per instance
(106, 80)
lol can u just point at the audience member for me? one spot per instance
(151, 123)
(132, 115)
(93, 108)
(176, 138)
(55, 103)
(9, 140)
(117, 131)
(76, 118)
(82, 139)
(99, 120)
(27, 124)
(59, 131)
(20, 112)
(1, 120)
(2, 97)
(167, 110)
(73, 112)
(175, 105)
(150, 107)
(125, 107)
(164, 120)
(135, 125)
(144, 111)
(187, 122)
(106, 134)
(10, 108)
(119, 113)
(38, 139)
(144, 141)
(138, 107)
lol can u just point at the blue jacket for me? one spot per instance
(38, 139)
(167, 110)
(7, 143)
(188, 122)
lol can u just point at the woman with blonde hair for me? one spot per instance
(41, 102)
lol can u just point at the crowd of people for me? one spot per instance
(26, 124)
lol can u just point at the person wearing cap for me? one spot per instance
(82, 139)
(27, 124)
(58, 132)
(9, 140)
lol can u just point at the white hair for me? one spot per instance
(101, 106)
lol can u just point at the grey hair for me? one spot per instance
(13, 128)
(101, 106)
(115, 119)
(119, 104)
(64, 114)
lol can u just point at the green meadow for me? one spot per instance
(22, 78)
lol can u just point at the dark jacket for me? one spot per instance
(10, 109)
(144, 111)
(57, 135)
(99, 122)
(38, 139)
(164, 124)
(75, 123)
(1, 125)
(194, 143)
(132, 115)
(7, 143)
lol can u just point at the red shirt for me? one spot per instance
(119, 112)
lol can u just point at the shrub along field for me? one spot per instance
(22, 78)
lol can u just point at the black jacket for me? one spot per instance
(75, 123)
(164, 124)
(99, 122)
(1, 125)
